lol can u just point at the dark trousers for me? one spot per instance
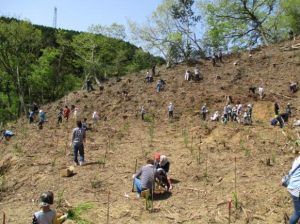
(78, 147)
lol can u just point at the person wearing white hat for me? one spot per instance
(170, 110)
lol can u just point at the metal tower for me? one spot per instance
(55, 18)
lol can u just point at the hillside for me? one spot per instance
(202, 154)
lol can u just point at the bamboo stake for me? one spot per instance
(229, 211)
(235, 174)
(108, 201)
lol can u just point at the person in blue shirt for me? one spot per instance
(42, 119)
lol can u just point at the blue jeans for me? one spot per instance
(78, 147)
(138, 185)
(295, 217)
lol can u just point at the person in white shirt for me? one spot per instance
(170, 110)
(261, 92)
(95, 118)
(187, 75)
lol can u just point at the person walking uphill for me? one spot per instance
(78, 138)
(294, 189)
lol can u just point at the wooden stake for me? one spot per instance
(108, 201)
(4, 222)
(229, 211)
(235, 175)
(132, 190)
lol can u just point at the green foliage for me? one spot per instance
(291, 17)
(75, 213)
(148, 118)
(41, 64)
(241, 23)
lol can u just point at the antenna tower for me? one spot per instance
(55, 18)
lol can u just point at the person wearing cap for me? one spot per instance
(42, 119)
(165, 165)
(78, 138)
(170, 110)
(6, 134)
(45, 215)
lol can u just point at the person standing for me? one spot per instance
(276, 109)
(66, 113)
(170, 110)
(59, 116)
(95, 118)
(78, 138)
(204, 111)
(42, 119)
(294, 189)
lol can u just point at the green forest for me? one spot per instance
(41, 64)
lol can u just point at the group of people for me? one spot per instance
(230, 113)
(155, 172)
(281, 118)
(188, 76)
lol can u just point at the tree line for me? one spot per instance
(41, 64)
(182, 30)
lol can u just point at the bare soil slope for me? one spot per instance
(202, 153)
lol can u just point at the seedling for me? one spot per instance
(2, 183)
(60, 199)
(75, 213)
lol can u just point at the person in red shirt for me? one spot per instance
(66, 113)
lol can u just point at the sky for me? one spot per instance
(79, 14)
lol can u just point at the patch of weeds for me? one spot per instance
(126, 127)
(75, 213)
(17, 148)
(101, 161)
(245, 149)
(96, 183)
(2, 183)
(148, 118)
(60, 199)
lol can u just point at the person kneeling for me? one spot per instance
(145, 177)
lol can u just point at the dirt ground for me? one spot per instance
(211, 163)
